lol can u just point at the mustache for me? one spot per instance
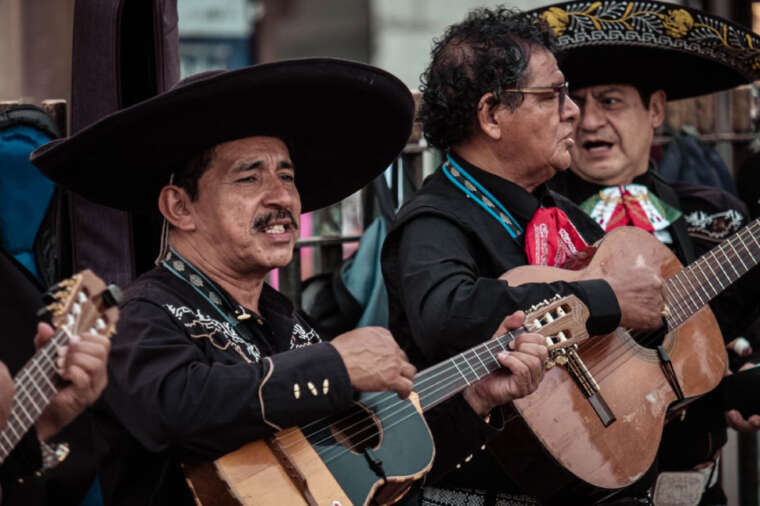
(261, 222)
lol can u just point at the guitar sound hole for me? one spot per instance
(357, 429)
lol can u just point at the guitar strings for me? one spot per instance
(433, 372)
(28, 390)
(421, 388)
(678, 313)
(438, 387)
(429, 370)
(389, 422)
(59, 339)
(431, 375)
(672, 288)
(678, 316)
(41, 366)
(407, 407)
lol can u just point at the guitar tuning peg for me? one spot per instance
(549, 364)
(561, 360)
(48, 297)
(111, 296)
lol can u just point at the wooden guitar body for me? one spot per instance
(335, 475)
(558, 438)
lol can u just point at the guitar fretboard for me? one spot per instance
(442, 381)
(36, 384)
(691, 288)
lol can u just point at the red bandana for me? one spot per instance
(550, 239)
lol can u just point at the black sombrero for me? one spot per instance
(653, 45)
(344, 122)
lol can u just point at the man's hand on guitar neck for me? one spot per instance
(374, 361)
(523, 370)
(82, 365)
(639, 293)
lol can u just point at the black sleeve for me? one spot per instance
(459, 433)
(452, 307)
(166, 392)
(20, 472)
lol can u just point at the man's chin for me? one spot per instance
(597, 174)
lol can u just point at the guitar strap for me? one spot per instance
(482, 197)
(295, 475)
(233, 314)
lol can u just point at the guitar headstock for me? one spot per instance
(83, 303)
(562, 320)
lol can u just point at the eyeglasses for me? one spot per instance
(560, 90)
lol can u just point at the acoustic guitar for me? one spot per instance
(79, 304)
(373, 453)
(594, 426)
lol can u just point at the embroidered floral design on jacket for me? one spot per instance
(716, 226)
(303, 335)
(221, 334)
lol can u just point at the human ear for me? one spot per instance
(657, 107)
(175, 205)
(487, 116)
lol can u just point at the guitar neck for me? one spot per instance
(36, 384)
(691, 288)
(442, 381)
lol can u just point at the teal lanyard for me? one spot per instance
(187, 272)
(475, 191)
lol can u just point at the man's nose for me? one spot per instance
(569, 110)
(591, 116)
(280, 193)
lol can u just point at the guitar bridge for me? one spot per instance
(575, 367)
(375, 464)
(563, 351)
(585, 380)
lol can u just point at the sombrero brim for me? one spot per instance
(345, 122)
(654, 45)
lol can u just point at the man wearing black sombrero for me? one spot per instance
(207, 356)
(624, 60)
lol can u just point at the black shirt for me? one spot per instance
(441, 261)
(185, 379)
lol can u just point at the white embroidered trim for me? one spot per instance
(261, 394)
(198, 320)
(703, 221)
(300, 337)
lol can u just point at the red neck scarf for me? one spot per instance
(551, 239)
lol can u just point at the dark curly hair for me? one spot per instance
(487, 52)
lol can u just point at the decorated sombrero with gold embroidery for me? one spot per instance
(654, 45)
